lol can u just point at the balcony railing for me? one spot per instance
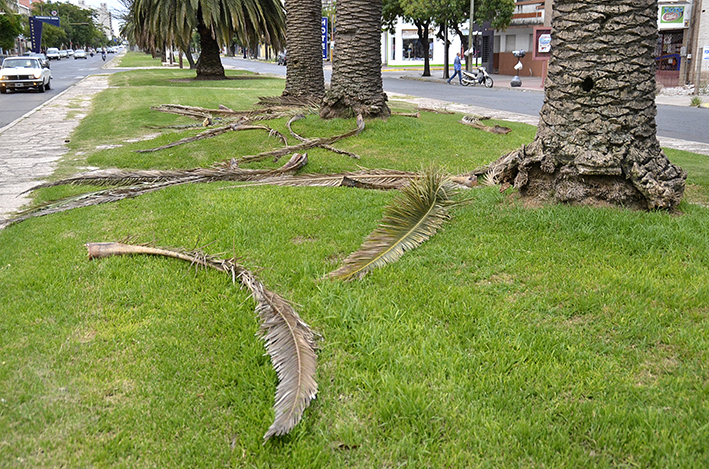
(528, 13)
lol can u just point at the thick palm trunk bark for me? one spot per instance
(304, 75)
(209, 65)
(596, 141)
(356, 86)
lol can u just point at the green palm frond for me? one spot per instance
(412, 218)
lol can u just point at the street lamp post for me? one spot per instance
(469, 61)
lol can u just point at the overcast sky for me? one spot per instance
(114, 6)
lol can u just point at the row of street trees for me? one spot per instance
(596, 141)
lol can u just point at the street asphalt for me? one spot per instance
(31, 145)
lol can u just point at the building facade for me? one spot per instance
(681, 56)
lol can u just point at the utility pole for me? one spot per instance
(469, 61)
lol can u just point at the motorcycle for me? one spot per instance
(480, 77)
(103, 56)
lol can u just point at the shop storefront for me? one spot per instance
(671, 51)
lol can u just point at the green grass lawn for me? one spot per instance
(548, 337)
(140, 59)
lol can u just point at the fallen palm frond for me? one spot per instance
(86, 200)
(119, 177)
(223, 111)
(408, 222)
(288, 102)
(149, 181)
(305, 145)
(322, 145)
(474, 121)
(381, 179)
(416, 114)
(288, 339)
(234, 127)
(200, 112)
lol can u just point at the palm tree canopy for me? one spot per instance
(249, 21)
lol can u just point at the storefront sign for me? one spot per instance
(674, 17)
(705, 55)
(542, 43)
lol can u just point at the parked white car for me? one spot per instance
(24, 72)
(79, 54)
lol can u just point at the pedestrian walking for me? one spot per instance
(457, 67)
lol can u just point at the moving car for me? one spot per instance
(79, 54)
(53, 54)
(63, 53)
(24, 72)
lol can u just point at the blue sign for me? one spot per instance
(323, 34)
(36, 30)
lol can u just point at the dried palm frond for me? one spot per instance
(289, 340)
(288, 101)
(378, 178)
(119, 177)
(488, 179)
(382, 179)
(474, 121)
(151, 182)
(306, 144)
(199, 112)
(87, 200)
(234, 127)
(409, 221)
(291, 345)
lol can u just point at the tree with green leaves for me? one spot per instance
(304, 75)
(159, 23)
(596, 141)
(10, 28)
(421, 13)
(446, 14)
(356, 84)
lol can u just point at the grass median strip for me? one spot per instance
(556, 336)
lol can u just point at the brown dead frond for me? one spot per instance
(289, 341)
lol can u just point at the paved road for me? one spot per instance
(676, 122)
(65, 73)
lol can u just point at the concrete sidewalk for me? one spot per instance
(31, 146)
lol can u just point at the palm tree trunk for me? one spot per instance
(596, 141)
(357, 69)
(304, 75)
(209, 64)
(188, 54)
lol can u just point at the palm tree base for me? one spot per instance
(335, 106)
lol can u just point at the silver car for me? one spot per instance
(24, 72)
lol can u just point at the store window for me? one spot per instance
(510, 42)
(668, 57)
(413, 50)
